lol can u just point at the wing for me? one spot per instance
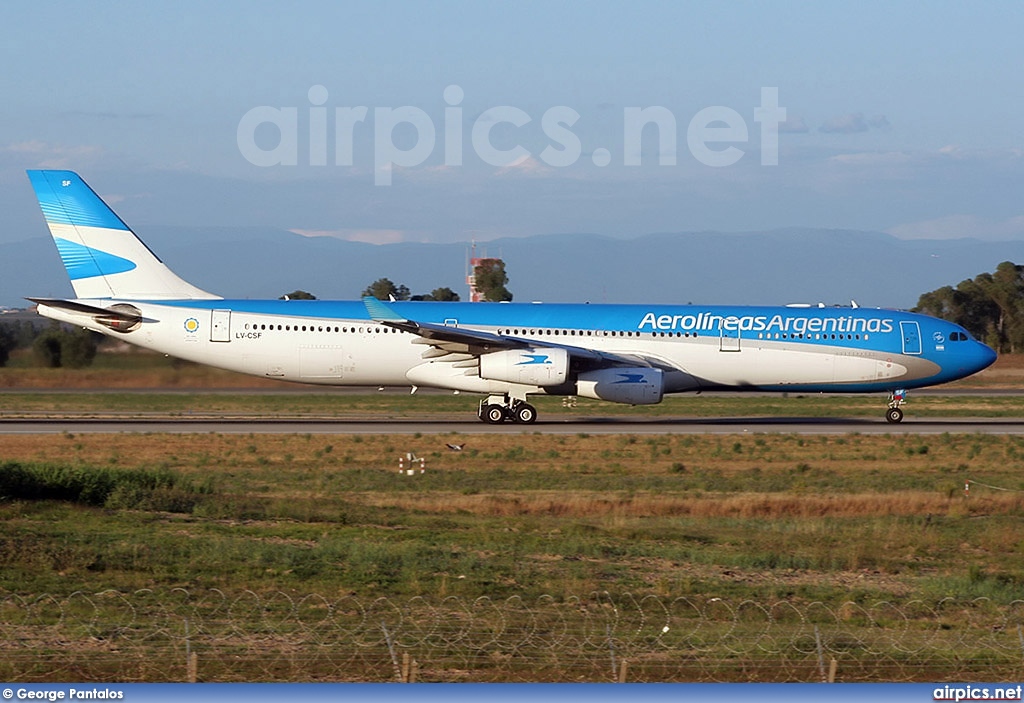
(460, 340)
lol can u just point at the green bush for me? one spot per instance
(108, 487)
(57, 347)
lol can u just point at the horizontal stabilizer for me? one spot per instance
(73, 306)
(120, 317)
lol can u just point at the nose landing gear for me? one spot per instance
(896, 399)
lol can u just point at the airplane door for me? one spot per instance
(911, 337)
(730, 341)
(220, 326)
(321, 362)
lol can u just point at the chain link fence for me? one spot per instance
(213, 635)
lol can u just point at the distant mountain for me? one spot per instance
(774, 267)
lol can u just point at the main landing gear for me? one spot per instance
(894, 414)
(496, 409)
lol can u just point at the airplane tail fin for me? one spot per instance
(103, 257)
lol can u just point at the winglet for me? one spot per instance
(379, 312)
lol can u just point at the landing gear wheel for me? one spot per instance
(494, 414)
(524, 413)
(894, 415)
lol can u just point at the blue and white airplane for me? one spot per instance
(631, 354)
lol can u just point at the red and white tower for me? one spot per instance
(474, 261)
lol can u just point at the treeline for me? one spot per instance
(385, 289)
(489, 276)
(53, 345)
(990, 306)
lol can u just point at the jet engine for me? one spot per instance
(634, 386)
(528, 367)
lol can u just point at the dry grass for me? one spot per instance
(774, 507)
(743, 515)
(170, 376)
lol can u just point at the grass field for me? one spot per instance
(745, 518)
(824, 518)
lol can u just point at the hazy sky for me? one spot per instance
(902, 117)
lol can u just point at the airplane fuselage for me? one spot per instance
(702, 347)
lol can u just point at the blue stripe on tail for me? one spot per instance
(66, 200)
(85, 262)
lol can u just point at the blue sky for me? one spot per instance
(902, 117)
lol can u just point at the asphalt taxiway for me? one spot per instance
(594, 425)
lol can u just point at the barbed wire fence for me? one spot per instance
(213, 635)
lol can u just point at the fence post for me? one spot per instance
(623, 666)
(832, 667)
(193, 667)
(405, 667)
(190, 657)
(611, 649)
(821, 655)
(391, 650)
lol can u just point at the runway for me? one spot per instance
(597, 425)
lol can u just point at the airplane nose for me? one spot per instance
(986, 356)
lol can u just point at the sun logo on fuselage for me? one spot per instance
(191, 325)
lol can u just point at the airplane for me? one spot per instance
(506, 352)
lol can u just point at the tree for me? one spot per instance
(298, 295)
(79, 348)
(1005, 288)
(23, 332)
(490, 279)
(990, 306)
(443, 295)
(57, 347)
(47, 348)
(384, 289)
(8, 341)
